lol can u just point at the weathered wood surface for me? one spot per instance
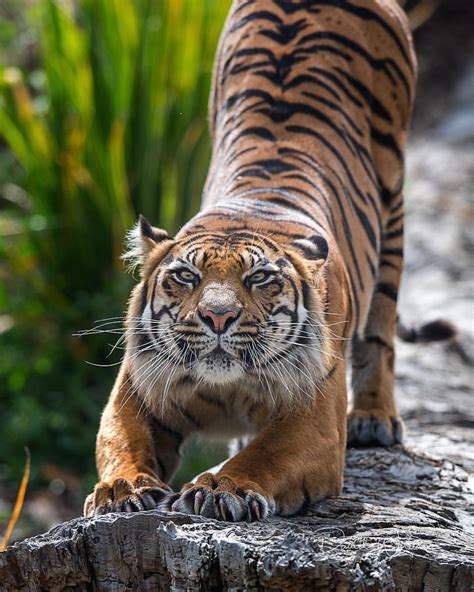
(403, 523)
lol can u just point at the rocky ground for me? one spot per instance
(435, 382)
(401, 524)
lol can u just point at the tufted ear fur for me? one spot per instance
(314, 248)
(141, 240)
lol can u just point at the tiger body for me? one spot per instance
(309, 117)
(243, 322)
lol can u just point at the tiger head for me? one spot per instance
(216, 309)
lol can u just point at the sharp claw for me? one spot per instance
(128, 507)
(175, 506)
(223, 509)
(198, 501)
(256, 509)
(148, 501)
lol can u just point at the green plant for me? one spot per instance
(107, 119)
(113, 123)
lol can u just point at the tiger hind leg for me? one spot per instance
(373, 420)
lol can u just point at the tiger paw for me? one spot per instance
(122, 495)
(222, 499)
(373, 428)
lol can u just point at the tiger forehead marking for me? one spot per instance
(228, 257)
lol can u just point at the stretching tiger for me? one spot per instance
(242, 322)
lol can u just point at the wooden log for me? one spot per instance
(404, 522)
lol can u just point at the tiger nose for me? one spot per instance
(218, 320)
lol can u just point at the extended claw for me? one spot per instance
(223, 509)
(255, 509)
(198, 501)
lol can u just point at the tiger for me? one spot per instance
(244, 324)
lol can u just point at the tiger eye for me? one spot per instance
(187, 276)
(258, 277)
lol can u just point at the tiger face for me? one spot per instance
(219, 309)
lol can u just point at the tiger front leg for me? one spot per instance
(373, 420)
(135, 455)
(297, 459)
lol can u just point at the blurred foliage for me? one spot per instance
(102, 116)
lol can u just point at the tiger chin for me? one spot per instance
(244, 322)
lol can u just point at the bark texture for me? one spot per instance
(404, 522)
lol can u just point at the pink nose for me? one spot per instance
(218, 321)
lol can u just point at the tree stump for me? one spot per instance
(402, 523)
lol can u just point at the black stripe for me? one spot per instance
(329, 374)
(304, 179)
(304, 157)
(379, 341)
(260, 132)
(275, 166)
(372, 102)
(286, 32)
(187, 414)
(294, 188)
(387, 290)
(387, 141)
(386, 263)
(354, 100)
(392, 252)
(262, 15)
(233, 155)
(373, 269)
(300, 129)
(143, 297)
(159, 425)
(292, 205)
(306, 293)
(280, 111)
(250, 51)
(331, 105)
(290, 7)
(369, 15)
(253, 172)
(360, 214)
(211, 400)
(396, 206)
(394, 220)
(253, 236)
(308, 79)
(366, 226)
(377, 64)
(393, 234)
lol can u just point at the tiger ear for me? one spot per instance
(314, 248)
(141, 240)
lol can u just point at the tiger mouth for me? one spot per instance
(219, 354)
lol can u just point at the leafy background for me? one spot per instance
(102, 116)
